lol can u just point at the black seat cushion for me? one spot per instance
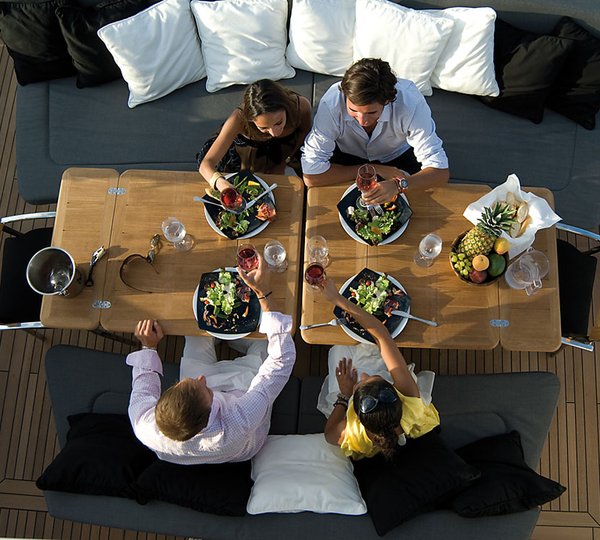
(18, 301)
(576, 273)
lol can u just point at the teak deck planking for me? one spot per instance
(28, 439)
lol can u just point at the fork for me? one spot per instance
(332, 322)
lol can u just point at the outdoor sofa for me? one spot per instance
(59, 125)
(471, 407)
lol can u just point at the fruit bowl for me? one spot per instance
(489, 279)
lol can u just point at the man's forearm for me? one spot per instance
(429, 177)
(336, 174)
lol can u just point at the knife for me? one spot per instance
(409, 316)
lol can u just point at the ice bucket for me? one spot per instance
(52, 271)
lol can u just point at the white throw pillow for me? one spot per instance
(321, 35)
(411, 41)
(466, 64)
(157, 50)
(242, 41)
(297, 473)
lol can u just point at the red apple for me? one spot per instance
(478, 276)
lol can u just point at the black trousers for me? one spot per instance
(407, 161)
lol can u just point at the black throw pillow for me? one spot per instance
(94, 63)
(102, 456)
(527, 65)
(33, 38)
(221, 489)
(422, 475)
(507, 483)
(576, 93)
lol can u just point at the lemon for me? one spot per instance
(501, 245)
(480, 262)
(253, 183)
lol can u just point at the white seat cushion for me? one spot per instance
(242, 41)
(157, 50)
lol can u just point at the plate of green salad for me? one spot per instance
(378, 230)
(225, 306)
(250, 222)
(378, 294)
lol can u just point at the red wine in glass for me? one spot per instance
(314, 274)
(247, 257)
(232, 199)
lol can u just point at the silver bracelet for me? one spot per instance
(145, 347)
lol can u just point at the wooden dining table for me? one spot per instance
(122, 212)
(469, 316)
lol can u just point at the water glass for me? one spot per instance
(247, 257)
(315, 274)
(175, 232)
(430, 247)
(275, 256)
(318, 250)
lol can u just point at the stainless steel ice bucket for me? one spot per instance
(52, 271)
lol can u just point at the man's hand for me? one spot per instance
(385, 191)
(329, 290)
(346, 377)
(259, 278)
(149, 333)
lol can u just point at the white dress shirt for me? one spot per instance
(405, 122)
(239, 421)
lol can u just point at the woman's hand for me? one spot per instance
(149, 333)
(346, 377)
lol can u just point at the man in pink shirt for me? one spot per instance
(192, 423)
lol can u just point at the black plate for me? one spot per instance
(255, 223)
(392, 323)
(400, 207)
(243, 319)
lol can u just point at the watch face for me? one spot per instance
(404, 183)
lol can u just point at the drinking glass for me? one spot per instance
(231, 199)
(175, 232)
(527, 271)
(318, 250)
(366, 180)
(430, 247)
(247, 257)
(275, 256)
(314, 274)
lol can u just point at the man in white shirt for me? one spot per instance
(373, 117)
(202, 419)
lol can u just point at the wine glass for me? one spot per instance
(175, 232)
(275, 256)
(247, 257)
(430, 247)
(232, 199)
(315, 274)
(318, 250)
(366, 180)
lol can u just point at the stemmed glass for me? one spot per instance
(275, 256)
(247, 257)
(314, 274)
(175, 232)
(366, 180)
(318, 250)
(232, 199)
(430, 247)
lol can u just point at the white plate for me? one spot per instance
(402, 324)
(256, 231)
(226, 337)
(352, 233)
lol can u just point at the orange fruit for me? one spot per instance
(480, 263)
(501, 245)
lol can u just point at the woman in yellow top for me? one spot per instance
(371, 415)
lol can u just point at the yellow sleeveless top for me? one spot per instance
(417, 419)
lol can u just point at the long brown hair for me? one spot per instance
(267, 96)
(382, 422)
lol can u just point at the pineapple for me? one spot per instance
(480, 239)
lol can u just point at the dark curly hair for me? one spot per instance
(267, 96)
(370, 80)
(382, 422)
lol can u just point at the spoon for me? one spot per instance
(409, 316)
(332, 322)
(253, 201)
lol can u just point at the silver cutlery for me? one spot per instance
(332, 322)
(254, 201)
(204, 201)
(409, 316)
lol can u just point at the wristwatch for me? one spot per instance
(402, 184)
